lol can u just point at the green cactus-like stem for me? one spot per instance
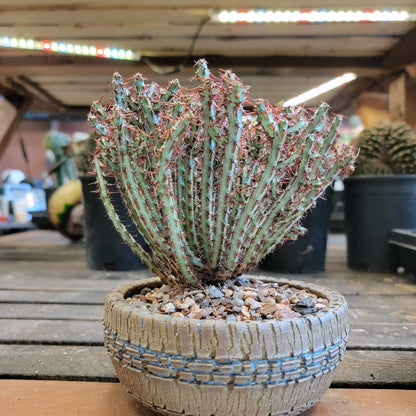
(210, 190)
(234, 111)
(119, 226)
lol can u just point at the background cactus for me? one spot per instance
(83, 155)
(386, 148)
(211, 191)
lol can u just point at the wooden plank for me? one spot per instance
(43, 296)
(39, 254)
(386, 302)
(56, 362)
(51, 332)
(377, 368)
(112, 32)
(382, 336)
(90, 281)
(307, 46)
(48, 311)
(402, 52)
(36, 238)
(378, 316)
(359, 368)
(177, 4)
(48, 397)
(231, 4)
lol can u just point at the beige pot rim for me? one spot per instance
(336, 300)
(309, 333)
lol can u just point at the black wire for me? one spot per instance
(177, 68)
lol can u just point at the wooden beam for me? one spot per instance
(402, 53)
(21, 104)
(397, 98)
(347, 94)
(36, 90)
(214, 60)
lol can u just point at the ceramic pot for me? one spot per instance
(184, 366)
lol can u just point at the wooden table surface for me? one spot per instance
(51, 308)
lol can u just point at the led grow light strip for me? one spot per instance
(321, 89)
(312, 16)
(69, 48)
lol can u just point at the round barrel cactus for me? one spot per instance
(387, 148)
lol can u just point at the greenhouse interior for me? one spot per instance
(207, 209)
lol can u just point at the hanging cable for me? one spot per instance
(177, 68)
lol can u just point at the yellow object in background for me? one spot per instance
(61, 209)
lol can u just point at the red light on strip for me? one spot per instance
(100, 51)
(46, 45)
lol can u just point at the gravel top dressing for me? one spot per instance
(238, 300)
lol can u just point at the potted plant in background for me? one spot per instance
(380, 196)
(308, 253)
(212, 193)
(105, 248)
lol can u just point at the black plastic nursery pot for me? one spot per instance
(308, 253)
(374, 205)
(105, 248)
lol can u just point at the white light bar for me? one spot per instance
(321, 89)
(312, 16)
(69, 48)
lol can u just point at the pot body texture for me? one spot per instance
(183, 366)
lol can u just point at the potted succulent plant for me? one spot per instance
(212, 193)
(381, 196)
(105, 248)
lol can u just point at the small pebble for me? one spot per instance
(245, 312)
(187, 303)
(227, 292)
(214, 292)
(249, 294)
(286, 313)
(199, 296)
(253, 304)
(268, 309)
(293, 299)
(169, 308)
(239, 300)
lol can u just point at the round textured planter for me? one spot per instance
(105, 248)
(374, 205)
(184, 366)
(308, 253)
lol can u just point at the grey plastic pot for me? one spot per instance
(184, 366)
